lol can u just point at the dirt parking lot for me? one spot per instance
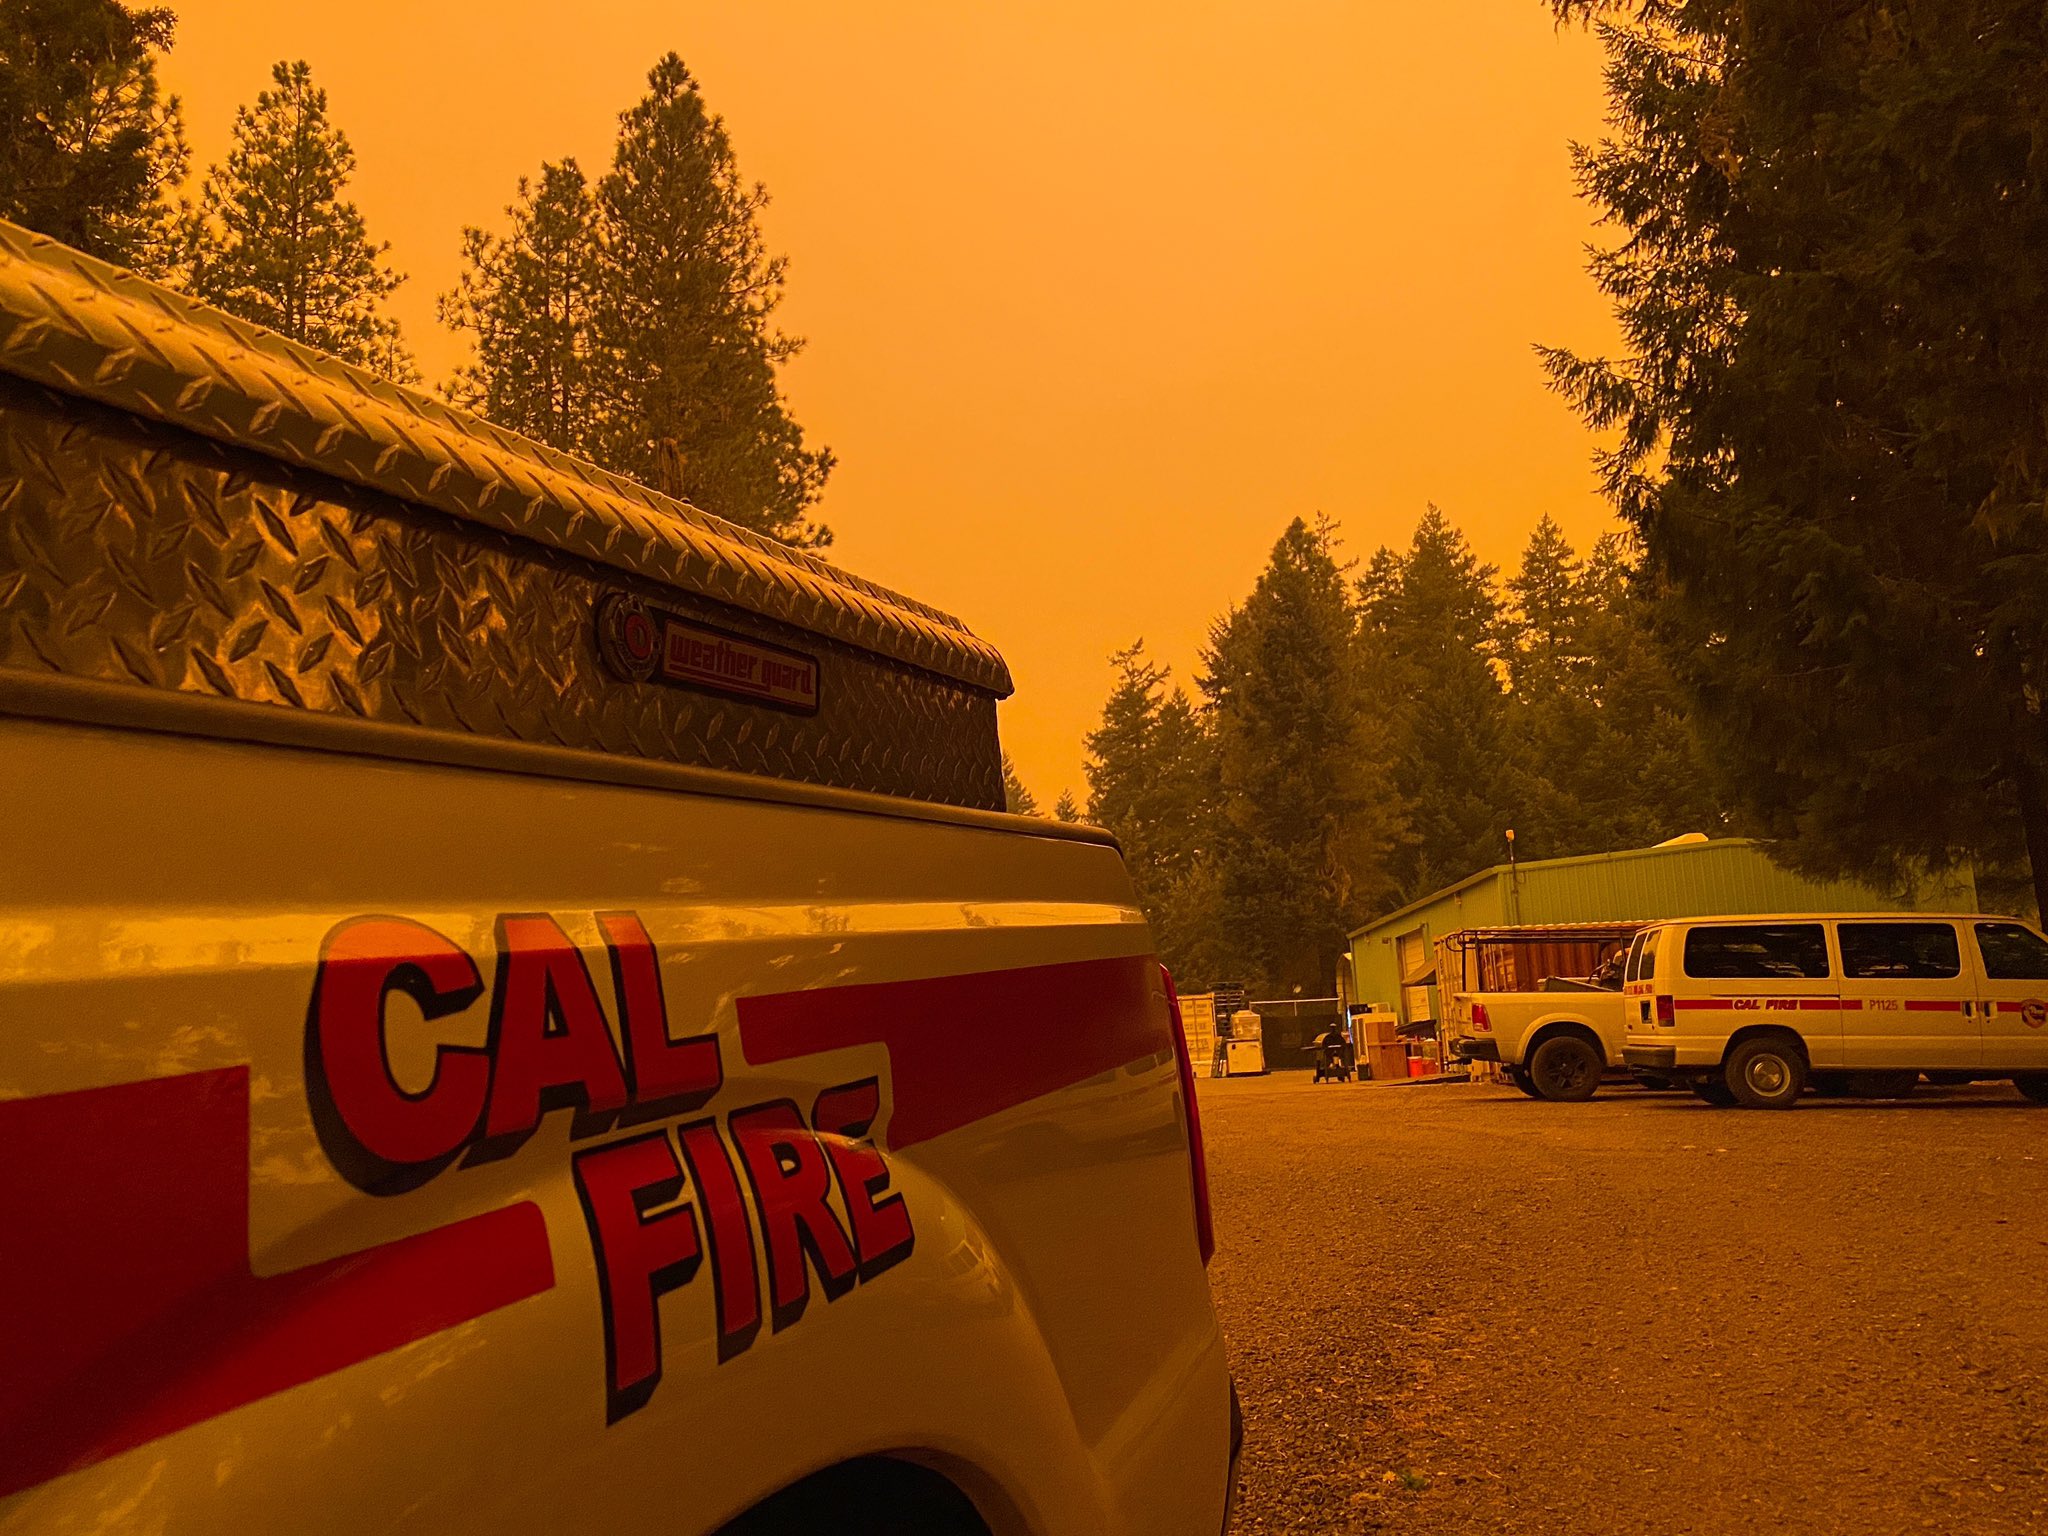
(1454, 1309)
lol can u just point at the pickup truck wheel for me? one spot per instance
(1714, 1091)
(1566, 1069)
(1519, 1076)
(1766, 1072)
(2034, 1089)
(874, 1496)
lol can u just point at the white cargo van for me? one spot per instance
(1754, 1010)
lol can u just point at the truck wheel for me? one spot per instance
(2033, 1089)
(1766, 1072)
(1566, 1068)
(1519, 1076)
(1883, 1085)
(1714, 1091)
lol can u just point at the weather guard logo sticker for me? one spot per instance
(642, 644)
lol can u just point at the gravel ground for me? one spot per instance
(1454, 1309)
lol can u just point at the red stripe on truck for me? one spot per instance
(1759, 1004)
(962, 1048)
(127, 1305)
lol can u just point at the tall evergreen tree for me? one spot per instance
(1544, 632)
(528, 298)
(1152, 781)
(1305, 810)
(90, 147)
(1431, 622)
(277, 243)
(1017, 800)
(684, 323)
(1611, 760)
(1832, 412)
(1640, 776)
(1064, 808)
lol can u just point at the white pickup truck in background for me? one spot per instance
(1553, 1044)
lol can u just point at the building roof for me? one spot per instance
(1676, 848)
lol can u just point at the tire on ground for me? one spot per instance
(1714, 1091)
(1519, 1076)
(1766, 1071)
(1566, 1068)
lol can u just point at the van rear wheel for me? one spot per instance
(1566, 1068)
(1714, 1091)
(1766, 1072)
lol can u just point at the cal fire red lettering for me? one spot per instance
(640, 1257)
(666, 1076)
(380, 1137)
(792, 1183)
(735, 1275)
(843, 1116)
(550, 1043)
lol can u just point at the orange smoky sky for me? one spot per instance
(1098, 295)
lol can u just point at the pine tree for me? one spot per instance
(1123, 770)
(1017, 800)
(1064, 808)
(1151, 770)
(276, 242)
(1431, 624)
(90, 147)
(528, 298)
(1611, 758)
(1639, 775)
(1545, 632)
(1305, 809)
(686, 346)
(1552, 710)
(1832, 412)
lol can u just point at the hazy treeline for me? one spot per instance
(1359, 737)
(628, 319)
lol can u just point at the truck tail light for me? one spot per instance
(1667, 1010)
(1198, 1162)
(1479, 1018)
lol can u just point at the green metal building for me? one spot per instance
(1392, 959)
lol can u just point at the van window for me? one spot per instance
(1900, 951)
(1632, 971)
(1646, 962)
(2012, 953)
(1760, 951)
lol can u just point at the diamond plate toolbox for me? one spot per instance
(193, 504)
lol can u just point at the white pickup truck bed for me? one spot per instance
(1554, 1045)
